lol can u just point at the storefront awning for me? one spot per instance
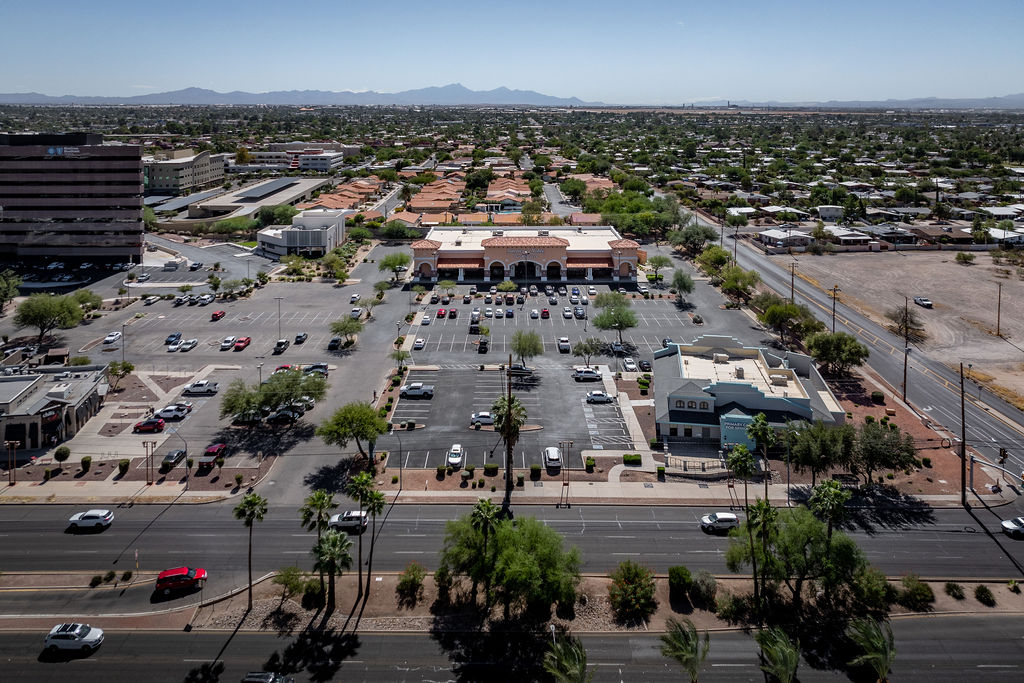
(460, 263)
(588, 263)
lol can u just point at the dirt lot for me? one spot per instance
(961, 326)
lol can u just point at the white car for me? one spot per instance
(566, 312)
(488, 312)
(629, 364)
(91, 518)
(552, 457)
(599, 397)
(563, 345)
(112, 338)
(534, 313)
(354, 298)
(351, 520)
(418, 344)
(719, 521)
(585, 300)
(81, 637)
(205, 299)
(176, 346)
(425, 321)
(188, 344)
(592, 291)
(481, 419)
(173, 412)
(1013, 527)
(455, 455)
(355, 313)
(228, 343)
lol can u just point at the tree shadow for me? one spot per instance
(333, 478)
(317, 652)
(209, 672)
(506, 652)
(281, 620)
(885, 506)
(268, 440)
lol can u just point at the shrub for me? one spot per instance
(631, 459)
(679, 582)
(661, 471)
(441, 471)
(877, 397)
(238, 478)
(443, 581)
(109, 576)
(46, 474)
(655, 443)
(954, 590)
(519, 480)
(493, 488)
(123, 465)
(631, 592)
(86, 462)
(1013, 586)
(410, 584)
(983, 594)
(394, 478)
(79, 360)
(61, 453)
(703, 589)
(589, 463)
(95, 581)
(470, 469)
(127, 576)
(873, 590)
(868, 419)
(313, 595)
(927, 462)
(491, 469)
(916, 594)
(534, 471)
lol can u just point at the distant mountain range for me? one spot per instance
(454, 94)
(457, 94)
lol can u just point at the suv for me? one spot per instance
(179, 578)
(334, 344)
(73, 637)
(552, 457)
(719, 521)
(586, 375)
(281, 345)
(350, 520)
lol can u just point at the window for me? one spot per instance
(703, 405)
(691, 404)
(680, 404)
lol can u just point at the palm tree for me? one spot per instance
(780, 654)
(331, 555)
(762, 521)
(878, 645)
(483, 519)
(375, 504)
(741, 462)
(683, 644)
(316, 514)
(509, 416)
(763, 435)
(250, 510)
(405, 193)
(359, 488)
(566, 661)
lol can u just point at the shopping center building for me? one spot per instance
(534, 253)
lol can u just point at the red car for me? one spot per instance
(242, 342)
(179, 578)
(441, 313)
(209, 457)
(545, 313)
(217, 315)
(155, 425)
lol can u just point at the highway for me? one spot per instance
(933, 543)
(928, 649)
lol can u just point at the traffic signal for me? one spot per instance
(1002, 455)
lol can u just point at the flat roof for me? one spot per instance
(750, 371)
(179, 203)
(263, 189)
(249, 200)
(587, 238)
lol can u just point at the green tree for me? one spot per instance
(682, 643)
(86, 299)
(399, 356)
(566, 661)
(346, 327)
(239, 399)
(394, 262)
(9, 283)
(355, 421)
(213, 282)
(876, 640)
(882, 447)
(368, 304)
(631, 592)
(483, 519)
(740, 462)
(586, 348)
(818, 448)
(838, 352)
(606, 300)
(46, 313)
(526, 344)
(779, 317)
(738, 282)
(713, 259)
(331, 555)
(316, 513)
(618, 318)
(359, 489)
(828, 502)
(149, 218)
(764, 436)
(506, 286)
(762, 522)
(574, 189)
(374, 505)
(693, 237)
(509, 417)
(682, 283)
(250, 510)
(117, 371)
(447, 286)
(658, 262)
(381, 288)
(780, 654)
(906, 321)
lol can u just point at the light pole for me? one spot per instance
(123, 341)
(906, 352)
(279, 315)
(12, 461)
(259, 366)
(835, 295)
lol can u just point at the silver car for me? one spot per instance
(81, 637)
(552, 457)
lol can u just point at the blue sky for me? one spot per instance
(646, 52)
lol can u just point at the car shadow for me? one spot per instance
(53, 656)
(158, 596)
(84, 530)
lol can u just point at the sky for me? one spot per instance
(640, 52)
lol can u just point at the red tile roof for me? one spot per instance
(426, 244)
(623, 244)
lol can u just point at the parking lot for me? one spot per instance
(553, 401)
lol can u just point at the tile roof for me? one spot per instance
(623, 244)
(426, 244)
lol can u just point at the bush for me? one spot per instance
(877, 397)
(916, 594)
(79, 360)
(589, 463)
(631, 592)
(679, 582)
(238, 478)
(95, 581)
(655, 443)
(491, 469)
(534, 471)
(123, 465)
(954, 590)
(127, 576)
(394, 478)
(46, 474)
(61, 453)
(661, 471)
(631, 459)
(519, 480)
(471, 469)
(410, 584)
(441, 471)
(704, 588)
(313, 595)
(927, 462)
(983, 594)
(873, 590)
(109, 576)
(1013, 586)
(86, 463)
(443, 582)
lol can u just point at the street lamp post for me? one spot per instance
(12, 461)
(259, 366)
(279, 315)
(123, 341)
(835, 295)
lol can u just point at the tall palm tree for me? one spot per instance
(741, 463)
(509, 417)
(251, 509)
(878, 645)
(780, 654)
(375, 504)
(331, 554)
(483, 518)
(566, 661)
(762, 520)
(316, 514)
(764, 436)
(359, 488)
(683, 644)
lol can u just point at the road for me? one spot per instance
(559, 206)
(939, 543)
(968, 648)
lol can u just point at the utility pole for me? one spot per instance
(735, 242)
(507, 504)
(835, 295)
(906, 342)
(792, 282)
(963, 442)
(999, 308)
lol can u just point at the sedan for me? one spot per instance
(645, 365)
(242, 342)
(441, 313)
(553, 300)
(477, 419)
(509, 313)
(217, 315)
(1013, 527)
(552, 457)
(301, 338)
(196, 265)
(580, 312)
(112, 338)
(172, 459)
(452, 313)
(228, 343)
(545, 313)
(173, 412)
(152, 425)
(426, 320)
(419, 344)
(188, 344)
(466, 299)
(91, 518)
(599, 397)
(173, 337)
(535, 313)
(455, 455)
(176, 346)
(488, 312)
(567, 312)
(922, 301)
(284, 417)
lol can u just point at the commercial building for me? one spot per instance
(535, 253)
(50, 404)
(248, 200)
(313, 232)
(183, 172)
(70, 195)
(710, 390)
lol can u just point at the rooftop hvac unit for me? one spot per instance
(497, 233)
(739, 372)
(543, 233)
(458, 242)
(721, 358)
(779, 380)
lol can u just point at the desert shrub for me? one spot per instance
(872, 589)
(127, 576)
(704, 588)
(394, 478)
(291, 580)
(954, 590)
(443, 580)
(534, 471)
(983, 594)
(589, 463)
(313, 595)
(1013, 586)
(95, 581)
(441, 471)
(238, 479)
(877, 397)
(661, 471)
(679, 582)
(123, 465)
(109, 576)
(519, 480)
(927, 462)
(491, 469)
(61, 453)
(47, 474)
(86, 463)
(471, 469)
(410, 584)
(916, 594)
(631, 592)
(631, 459)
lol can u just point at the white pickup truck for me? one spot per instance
(203, 386)
(416, 390)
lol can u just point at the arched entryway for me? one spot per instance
(425, 270)
(554, 271)
(625, 270)
(497, 271)
(527, 270)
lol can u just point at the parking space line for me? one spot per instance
(426, 457)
